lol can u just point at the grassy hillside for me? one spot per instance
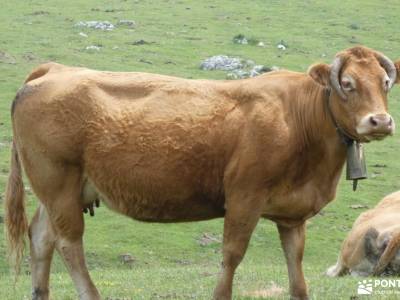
(170, 263)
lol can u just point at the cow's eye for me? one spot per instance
(347, 85)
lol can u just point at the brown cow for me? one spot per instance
(372, 246)
(166, 149)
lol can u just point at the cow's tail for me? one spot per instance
(388, 254)
(16, 223)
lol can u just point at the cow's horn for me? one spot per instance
(389, 67)
(334, 76)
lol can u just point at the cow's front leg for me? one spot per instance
(241, 217)
(293, 245)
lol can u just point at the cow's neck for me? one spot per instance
(317, 144)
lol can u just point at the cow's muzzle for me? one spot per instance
(376, 126)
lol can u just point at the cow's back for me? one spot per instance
(154, 146)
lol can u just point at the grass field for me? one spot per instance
(169, 261)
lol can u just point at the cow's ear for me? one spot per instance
(397, 64)
(320, 73)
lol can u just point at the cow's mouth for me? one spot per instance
(375, 137)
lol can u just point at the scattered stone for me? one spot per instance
(7, 58)
(169, 62)
(127, 259)
(354, 26)
(93, 48)
(380, 166)
(282, 45)
(83, 34)
(128, 23)
(140, 42)
(111, 10)
(240, 39)
(115, 47)
(29, 56)
(255, 71)
(358, 206)
(221, 62)
(353, 40)
(239, 68)
(275, 68)
(208, 239)
(39, 13)
(101, 25)
(145, 61)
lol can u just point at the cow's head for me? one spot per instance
(360, 79)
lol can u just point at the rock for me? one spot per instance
(354, 26)
(237, 74)
(281, 47)
(29, 56)
(221, 62)
(128, 23)
(142, 60)
(255, 71)
(275, 68)
(140, 42)
(40, 13)
(380, 166)
(93, 48)
(7, 58)
(358, 206)
(127, 259)
(101, 25)
(261, 44)
(239, 68)
(240, 39)
(83, 34)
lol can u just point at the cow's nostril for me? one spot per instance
(373, 121)
(390, 121)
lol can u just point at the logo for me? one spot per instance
(365, 287)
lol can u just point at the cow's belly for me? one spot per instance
(159, 206)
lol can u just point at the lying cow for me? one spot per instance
(373, 244)
(165, 149)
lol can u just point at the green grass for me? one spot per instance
(170, 263)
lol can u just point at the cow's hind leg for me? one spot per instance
(67, 218)
(58, 186)
(241, 217)
(293, 240)
(42, 244)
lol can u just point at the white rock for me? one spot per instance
(281, 47)
(93, 47)
(83, 34)
(102, 25)
(221, 62)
